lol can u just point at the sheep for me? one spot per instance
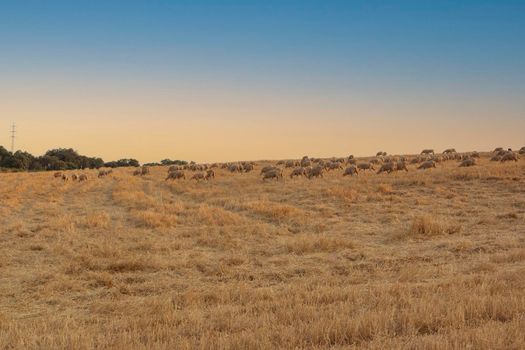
(198, 176)
(174, 175)
(210, 174)
(82, 177)
(449, 150)
(365, 166)
(334, 165)
(268, 168)
(386, 167)
(273, 174)
(247, 167)
(298, 172)
(305, 162)
(58, 174)
(316, 171)
(401, 165)
(509, 156)
(427, 164)
(235, 168)
(427, 151)
(467, 162)
(351, 170)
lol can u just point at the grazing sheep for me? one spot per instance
(298, 172)
(268, 168)
(82, 177)
(273, 174)
(210, 174)
(427, 151)
(334, 165)
(467, 162)
(198, 176)
(58, 174)
(247, 167)
(427, 165)
(174, 175)
(449, 150)
(509, 156)
(351, 170)
(305, 162)
(365, 166)
(386, 167)
(401, 165)
(235, 168)
(316, 171)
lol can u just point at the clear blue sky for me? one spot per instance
(342, 58)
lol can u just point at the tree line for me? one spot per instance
(64, 159)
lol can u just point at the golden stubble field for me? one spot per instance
(421, 260)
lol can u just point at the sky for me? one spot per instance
(246, 80)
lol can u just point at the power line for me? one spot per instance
(13, 131)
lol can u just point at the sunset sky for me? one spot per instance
(233, 80)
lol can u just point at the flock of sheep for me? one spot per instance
(315, 167)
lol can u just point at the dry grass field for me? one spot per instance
(430, 259)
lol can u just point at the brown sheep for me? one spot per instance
(198, 176)
(247, 167)
(401, 165)
(427, 165)
(82, 177)
(351, 170)
(235, 168)
(177, 174)
(365, 166)
(334, 166)
(427, 151)
(298, 172)
(387, 167)
(210, 174)
(467, 162)
(268, 168)
(509, 156)
(289, 164)
(273, 174)
(316, 171)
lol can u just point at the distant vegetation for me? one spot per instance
(64, 159)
